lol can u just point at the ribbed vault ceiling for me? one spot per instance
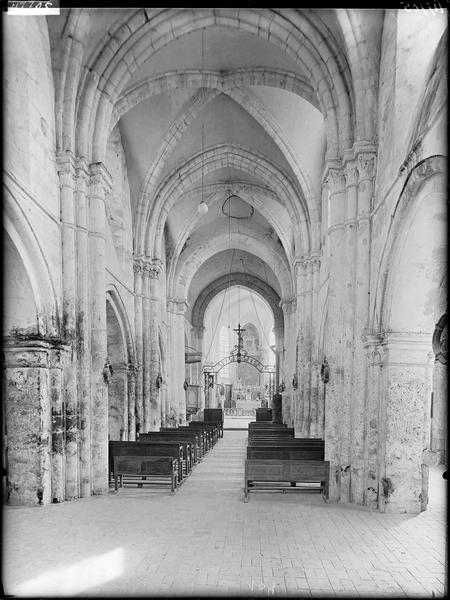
(261, 108)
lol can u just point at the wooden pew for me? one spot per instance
(141, 470)
(265, 425)
(263, 431)
(286, 443)
(201, 437)
(215, 416)
(213, 429)
(156, 449)
(281, 474)
(174, 434)
(204, 436)
(283, 453)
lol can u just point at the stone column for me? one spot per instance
(157, 410)
(99, 186)
(316, 429)
(406, 386)
(35, 438)
(347, 300)
(176, 308)
(118, 403)
(307, 346)
(69, 448)
(83, 337)
(439, 420)
(299, 406)
(131, 373)
(360, 317)
(374, 418)
(146, 345)
(139, 407)
(337, 417)
(198, 341)
(288, 306)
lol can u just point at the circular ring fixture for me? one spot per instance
(239, 206)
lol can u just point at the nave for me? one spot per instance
(204, 540)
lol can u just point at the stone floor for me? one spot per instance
(205, 541)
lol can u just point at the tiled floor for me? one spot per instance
(205, 540)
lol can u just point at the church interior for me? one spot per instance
(224, 211)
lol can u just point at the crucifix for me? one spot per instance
(240, 343)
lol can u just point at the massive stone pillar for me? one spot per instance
(34, 422)
(176, 309)
(373, 346)
(404, 422)
(99, 186)
(337, 410)
(157, 406)
(360, 317)
(139, 407)
(69, 447)
(83, 334)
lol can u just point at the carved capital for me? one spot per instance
(66, 167)
(366, 165)
(100, 181)
(351, 173)
(288, 305)
(137, 265)
(155, 269)
(336, 181)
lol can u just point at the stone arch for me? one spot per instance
(185, 118)
(218, 80)
(403, 217)
(409, 297)
(35, 264)
(179, 181)
(244, 280)
(135, 41)
(186, 269)
(120, 354)
(257, 196)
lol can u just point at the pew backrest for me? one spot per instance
(286, 471)
(161, 467)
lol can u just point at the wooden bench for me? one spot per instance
(148, 470)
(265, 425)
(215, 416)
(283, 475)
(277, 453)
(205, 435)
(263, 415)
(291, 444)
(200, 438)
(174, 435)
(210, 428)
(150, 449)
(255, 431)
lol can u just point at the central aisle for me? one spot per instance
(205, 540)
